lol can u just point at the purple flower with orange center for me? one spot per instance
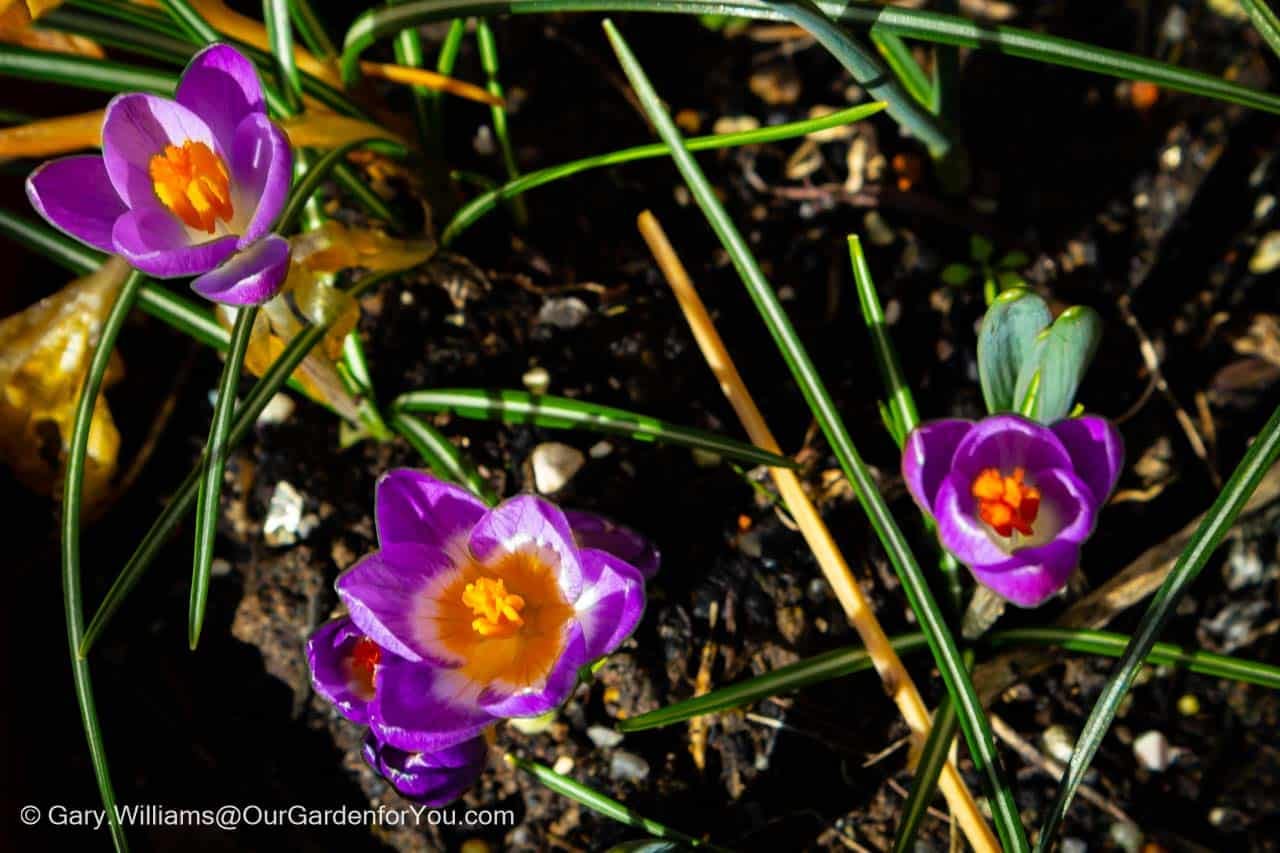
(1014, 500)
(467, 615)
(184, 187)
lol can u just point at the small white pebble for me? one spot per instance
(554, 464)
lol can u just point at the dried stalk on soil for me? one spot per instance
(897, 681)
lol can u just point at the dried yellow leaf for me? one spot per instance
(44, 355)
(52, 136)
(313, 129)
(15, 28)
(334, 247)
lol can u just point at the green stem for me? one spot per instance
(488, 46)
(72, 500)
(208, 508)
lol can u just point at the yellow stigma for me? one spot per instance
(193, 183)
(497, 611)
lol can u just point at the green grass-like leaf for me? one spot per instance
(72, 498)
(81, 72)
(1259, 458)
(851, 659)
(599, 803)
(246, 414)
(933, 756)
(934, 27)
(441, 456)
(488, 47)
(470, 213)
(897, 54)
(867, 70)
(521, 407)
(275, 13)
(208, 507)
(973, 719)
(902, 404)
(1264, 21)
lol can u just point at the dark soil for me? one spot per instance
(1153, 210)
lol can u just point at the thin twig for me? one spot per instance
(897, 681)
(1152, 361)
(1052, 768)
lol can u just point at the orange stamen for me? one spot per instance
(193, 183)
(365, 657)
(497, 611)
(1005, 502)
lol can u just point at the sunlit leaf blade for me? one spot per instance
(1005, 340)
(246, 415)
(897, 54)
(921, 24)
(70, 546)
(544, 410)
(598, 802)
(868, 72)
(82, 72)
(487, 44)
(1259, 458)
(902, 404)
(1264, 21)
(786, 679)
(851, 659)
(976, 727)
(216, 452)
(441, 456)
(1052, 370)
(275, 14)
(924, 784)
(482, 204)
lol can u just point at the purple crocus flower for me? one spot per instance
(344, 664)
(479, 613)
(1013, 499)
(431, 778)
(184, 187)
(596, 531)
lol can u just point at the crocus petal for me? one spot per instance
(959, 529)
(532, 701)
(430, 778)
(1032, 575)
(927, 455)
(262, 167)
(386, 601)
(158, 244)
(76, 196)
(611, 603)
(528, 521)
(1066, 496)
(596, 531)
(249, 277)
(136, 128)
(1096, 450)
(328, 657)
(415, 508)
(1007, 442)
(420, 708)
(221, 86)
